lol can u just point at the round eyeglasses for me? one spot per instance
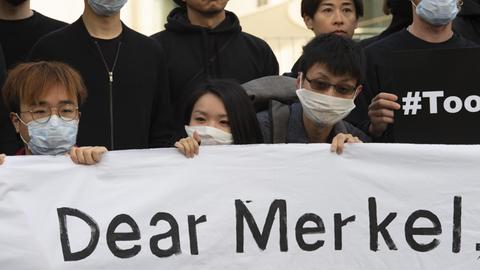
(42, 114)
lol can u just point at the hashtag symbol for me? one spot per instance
(411, 103)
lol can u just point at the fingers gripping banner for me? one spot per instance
(245, 207)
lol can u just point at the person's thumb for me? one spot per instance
(196, 137)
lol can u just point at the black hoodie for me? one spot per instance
(196, 54)
(467, 22)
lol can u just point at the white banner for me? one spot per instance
(245, 207)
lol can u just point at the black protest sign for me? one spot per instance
(439, 94)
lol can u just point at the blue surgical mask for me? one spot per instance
(55, 137)
(106, 7)
(437, 12)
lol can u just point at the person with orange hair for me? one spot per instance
(43, 100)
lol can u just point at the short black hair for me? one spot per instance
(241, 114)
(310, 7)
(179, 3)
(340, 55)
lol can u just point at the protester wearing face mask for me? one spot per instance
(125, 73)
(328, 84)
(43, 100)
(339, 17)
(431, 29)
(20, 28)
(218, 113)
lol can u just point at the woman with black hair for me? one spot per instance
(219, 112)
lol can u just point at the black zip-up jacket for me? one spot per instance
(141, 112)
(196, 54)
(467, 22)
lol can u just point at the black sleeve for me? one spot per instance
(359, 116)
(295, 69)
(357, 132)
(270, 62)
(378, 76)
(161, 129)
(9, 143)
(3, 69)
(468, 27)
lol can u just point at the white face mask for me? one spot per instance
(324, 110)
(210, 135)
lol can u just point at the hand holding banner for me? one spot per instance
(245, 207)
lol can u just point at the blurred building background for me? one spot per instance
(276, 21)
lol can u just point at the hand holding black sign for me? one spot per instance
(438, 91)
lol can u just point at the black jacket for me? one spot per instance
(467, 22)
(141, 114)
(196, 54)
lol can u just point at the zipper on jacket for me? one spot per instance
(110, 88)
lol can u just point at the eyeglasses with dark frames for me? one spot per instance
(42, 114)
(321, 85)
